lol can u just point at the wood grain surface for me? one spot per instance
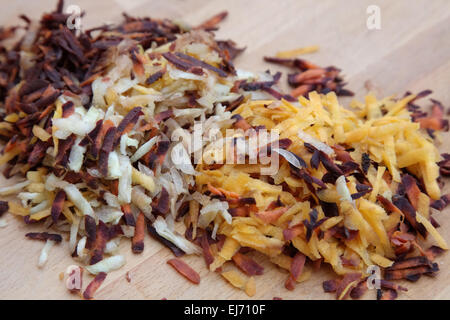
(411, 51)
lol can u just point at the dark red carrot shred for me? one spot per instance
(195, 63)
(157, 155)
(360, 289)
(435, 121)
(358, 195)
(312, 224)
(342, 154)
(212, 22)
(64, 147)
(73, 177)
(292, 63)
(182, 211)
(386, 294)
(44, 236)
(57, 205)
(297, 265)
(291, 233)
(433, 252)
(409, 263)
(311, 77)
(243, 211)
(98, 136)
(163, 115)
(92, 135)
(102, 236)
(329, 164)
(329, 209)
(247, 201)
(365, 162)
(240, 123)
(91, 231)
(185, 270)
(411, 274)
(390, 285)
(230, 106)
(315, 159)
(410, 213)
(444, 165)
(127, 123)
(137, 244)
(4, 207)
(128, 215)
(330, 285)
(247, 264)
(94, 285)
(259, 85)
(107, 147)
(161, 204)
(68, 109)
(176, 251)
(206, 248)
(441, 203)
(154, 77)
(388, 205)
(346, 280)
(411, 189)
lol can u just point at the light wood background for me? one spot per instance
(410, 52)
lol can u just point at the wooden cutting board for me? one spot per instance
(411, 51)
